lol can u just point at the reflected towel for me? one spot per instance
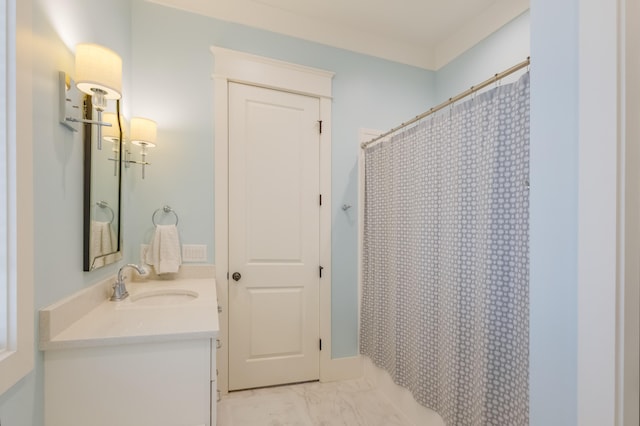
(164, 252)
(103, 242)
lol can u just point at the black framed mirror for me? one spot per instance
(102, 189)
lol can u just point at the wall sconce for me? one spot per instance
(99, 74)
(143, 133)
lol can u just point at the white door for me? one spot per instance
(273, 237)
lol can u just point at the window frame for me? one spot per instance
(17, 357)
(4, 136)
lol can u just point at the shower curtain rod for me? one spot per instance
(445, 104)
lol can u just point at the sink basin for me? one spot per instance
(164, 297)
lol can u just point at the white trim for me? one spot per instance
(256, 15)
(628, 387)
(266, 72)
(221, 214)
(364, 135)
(6, 105)
(337, 369)
(430, 55)
(601, 204)
(18, 360)
(328, 366)
(236, 66)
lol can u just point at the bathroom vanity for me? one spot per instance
(147, 360)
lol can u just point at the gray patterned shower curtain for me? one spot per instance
(445, 296)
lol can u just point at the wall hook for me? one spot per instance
(346, 207)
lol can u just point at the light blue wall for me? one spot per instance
(172, 67)
(58, 25)
(498, 52)
(554, 212)
(368, 93)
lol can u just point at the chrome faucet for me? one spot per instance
(119, 290)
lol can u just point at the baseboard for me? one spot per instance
(337, 369)
(400, 397)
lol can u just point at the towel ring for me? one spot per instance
(105, 205)
(165, 209)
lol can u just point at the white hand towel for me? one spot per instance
(164, 252)
(95, 245)
(109, 242)
(103, 241)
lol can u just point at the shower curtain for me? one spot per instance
(445, 297)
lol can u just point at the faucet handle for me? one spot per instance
(119, 292)
(119, 289)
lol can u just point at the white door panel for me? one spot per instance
(289, 340)
(273, 237)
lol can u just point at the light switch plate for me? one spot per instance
(194, 253)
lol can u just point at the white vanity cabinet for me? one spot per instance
(130, 363)
(160, 384)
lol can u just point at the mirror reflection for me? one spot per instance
(102, 188)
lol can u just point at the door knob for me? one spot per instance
(236, 276)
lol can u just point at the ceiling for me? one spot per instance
(423, 33)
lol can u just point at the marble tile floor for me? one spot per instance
(348, 403)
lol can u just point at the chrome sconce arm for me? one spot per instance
(142, 162)
(73, 109)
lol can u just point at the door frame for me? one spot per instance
(608, 212)
(240, 67)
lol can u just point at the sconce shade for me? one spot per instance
(112, 134)
(98, 68)
(143, 131)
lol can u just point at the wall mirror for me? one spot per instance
(102, 187)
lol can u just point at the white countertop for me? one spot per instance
(117, 323)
